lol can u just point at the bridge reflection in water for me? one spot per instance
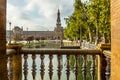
(55, 64)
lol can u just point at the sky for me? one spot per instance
(37, 15)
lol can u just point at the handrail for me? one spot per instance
(10, 52)
(107, 53)
(103, 47)
(61, 51)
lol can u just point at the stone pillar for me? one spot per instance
(17, 67)
(3, 58)
(101, 67)
(115, 39)
(17, 61)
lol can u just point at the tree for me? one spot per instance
(99, 13)
(91, 19)
(30, 38)
(105, 20)
(75, 22)
(37, 38)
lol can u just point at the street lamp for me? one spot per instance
(10, 33)
(27, 33)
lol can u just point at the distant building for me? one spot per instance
(17, 33)
(57, 34)
(58, 31)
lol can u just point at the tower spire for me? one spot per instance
(58, 18)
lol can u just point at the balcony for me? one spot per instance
(59, 64)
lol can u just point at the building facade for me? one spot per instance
(56, 34)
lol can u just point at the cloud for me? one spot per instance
(25, 16)
(45, 7)
(12, 11)
(38, 14)
(49, 7)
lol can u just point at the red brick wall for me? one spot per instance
(115, 31)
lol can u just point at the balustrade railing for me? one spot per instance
(60, 52)
(86, 55)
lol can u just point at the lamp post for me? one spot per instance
(10, 33)
(27, 35)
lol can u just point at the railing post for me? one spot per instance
(76, 67)
(84, 67)
(68, 67)
(42, 66)
(25, 66)
(33, 66)
(108, 69)
(101, 67)
(17, 62)
(10, 67)
(107, 53)
(17, 67)
(59, 66)
(102, 62)
(50, 66)
(93, 67)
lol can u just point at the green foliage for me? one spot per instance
(75, 21)
(93, 17)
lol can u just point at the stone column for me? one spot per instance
(3, 58)
(101, 67)
(17, 61)
(115, 39)
(17, 66)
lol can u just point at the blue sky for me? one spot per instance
(37, 15)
